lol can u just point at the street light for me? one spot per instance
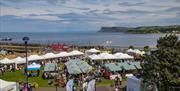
(25, 39)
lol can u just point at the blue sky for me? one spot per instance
(84, 15)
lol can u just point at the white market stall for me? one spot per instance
(19, 60)
(49, 56)
(6, 61)
(34, 66)
(137, 51)
(75, 53)
(92, 51)
(123, 56)
(34, 58)
(63, 54)
(7, 86)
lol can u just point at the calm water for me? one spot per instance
(117, 39)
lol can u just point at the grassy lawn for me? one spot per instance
(19, 76)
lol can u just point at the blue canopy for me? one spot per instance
(34, 66)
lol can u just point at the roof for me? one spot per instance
(124, 65)
(77, 66)
(50, 67)
(112, 67)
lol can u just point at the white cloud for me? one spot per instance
(136, 11)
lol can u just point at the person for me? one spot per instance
(91, 85)
(70, 84)
(120, 79)
(116, 80)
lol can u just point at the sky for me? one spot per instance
(85, 15)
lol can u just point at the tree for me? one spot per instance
(131, 47)
(163, 65)
(146, 49)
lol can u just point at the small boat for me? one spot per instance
(6, 39)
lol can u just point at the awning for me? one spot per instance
(50, 67)
(93, 50)
(77, 67)
(34, 66)
(7, 86)
(6, 61)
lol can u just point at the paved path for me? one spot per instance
(99, 88)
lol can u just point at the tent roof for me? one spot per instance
(123, 56)
(49, 55)
(6, 61)
(93, 50)
(94, 57)
(127, 66)
(106, 56)
(137, 51)
(50, 67)
(19, 60)
(6, 86)
(120, 66)
(62, 54)
(34, 66)
(112, 67)
(34, 57)
(78, 66)
(137, 65)
(75, 52)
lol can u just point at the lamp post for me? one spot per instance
(25, 39)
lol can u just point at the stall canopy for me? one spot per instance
(49, 56)
(93, 50)
(94, 57)
(34, 66)
(78, 66)
(75, 53)
(102, 56)
(7, 86)
(137, 51)
(112, 67)
(123, 56)
(19, 60)
(127, 66)
(63, 54)
(106, 56)
(137, 65)
(50, 67)
(124, 65)
(34, 57)
(6, 61)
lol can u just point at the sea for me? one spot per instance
(86, 39)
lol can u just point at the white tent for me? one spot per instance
(7, 86)
(93, 50)
(19, 60)
(49, 55)
(137, 51)
(106, 56)
(76, 52)
(34, 66)
(94, 57)
(62, 54)
(34, 57)
(102, 56)
(6, 61)
(123, 56)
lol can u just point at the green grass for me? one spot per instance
(19, 76)
(105, 82)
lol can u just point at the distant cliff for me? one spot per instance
(143, 29)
